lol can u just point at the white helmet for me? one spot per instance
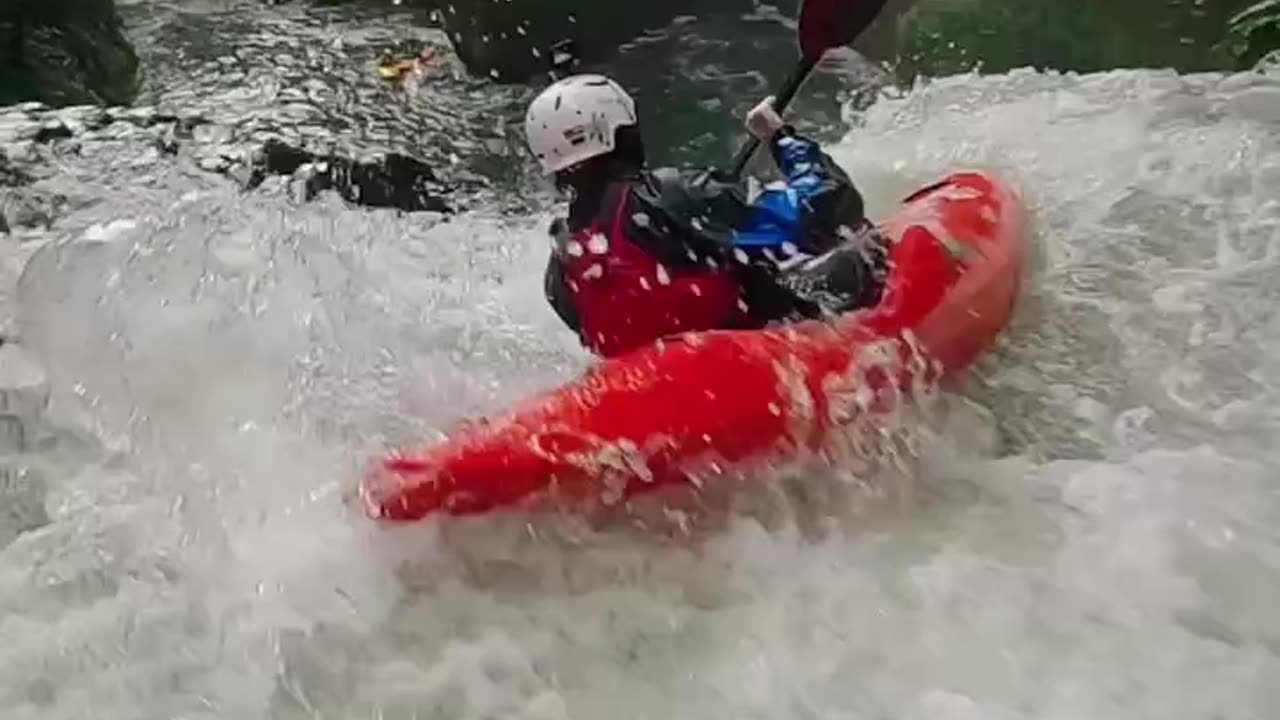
(575, 119)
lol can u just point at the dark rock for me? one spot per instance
(307, 155)
(279, 158)
(167, 144)
(11, 176)
(33, 123)
(392, 180)
(28, 209)
(147, 116)
(65, 52)
(52, 130)
(395, 180)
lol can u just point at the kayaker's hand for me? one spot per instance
(763, 121)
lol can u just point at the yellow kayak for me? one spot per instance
(396, 69)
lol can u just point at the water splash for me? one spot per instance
(1098, 540)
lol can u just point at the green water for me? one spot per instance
(940, 37)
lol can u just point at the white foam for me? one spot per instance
(1097, 540)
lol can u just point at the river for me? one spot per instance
(1089, 528)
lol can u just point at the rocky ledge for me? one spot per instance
(389, 179)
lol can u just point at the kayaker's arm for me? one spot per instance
(818, 198)
(557, 294)
(703, 216)
(697, 218)
(687, 217)
(824, 189)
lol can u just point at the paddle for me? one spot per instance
(824, 24)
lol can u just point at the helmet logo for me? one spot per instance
(576, 135)
(601, 127)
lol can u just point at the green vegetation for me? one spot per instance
(949, 36)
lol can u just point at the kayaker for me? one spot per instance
(405, 71)
(646, 253)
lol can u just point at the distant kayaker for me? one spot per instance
(408, 70)
(648, 253)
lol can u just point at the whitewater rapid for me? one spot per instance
(1092, 535)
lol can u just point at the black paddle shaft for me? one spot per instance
(780, 103)
(824, 24)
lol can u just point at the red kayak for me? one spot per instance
(701, 403)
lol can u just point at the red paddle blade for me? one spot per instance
(825, 24)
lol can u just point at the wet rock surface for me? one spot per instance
(32, 136)
(263, 100)
(395, 180)
(276, 105)
(65, 52)
(305, 77)
(289, 95)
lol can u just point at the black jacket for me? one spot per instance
(698, 218)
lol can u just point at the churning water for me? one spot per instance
(1091, 534)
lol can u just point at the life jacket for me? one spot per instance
(626, 298)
